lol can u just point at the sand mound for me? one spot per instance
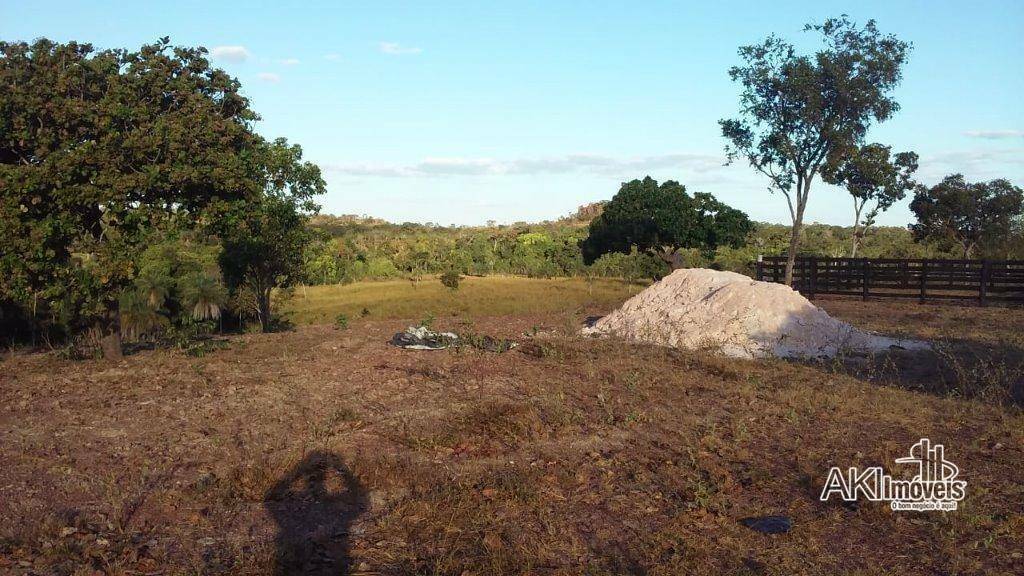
(740, 317)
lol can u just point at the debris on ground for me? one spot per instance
(768, 524)
(737, 316)
(423, 338)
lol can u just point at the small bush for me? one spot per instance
(341, 321)
(451, 279)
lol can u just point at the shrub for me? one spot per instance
(341, 321)
(450, 279)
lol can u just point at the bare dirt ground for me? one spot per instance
(323, 450)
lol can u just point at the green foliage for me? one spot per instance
(341, 321)
(178, 285)
(97, 148)
(266, 237)
(802, 114)
(450, 279)
(360, 244)
(968, 215)
(871, 176)
(632, 266)
(662, 220)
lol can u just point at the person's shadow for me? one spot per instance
(314, 505)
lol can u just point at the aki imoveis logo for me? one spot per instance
(934, 487)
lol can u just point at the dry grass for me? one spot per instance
(476, 297)
(977, 352)
(321, 450)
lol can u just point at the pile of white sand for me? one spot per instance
(738, 316)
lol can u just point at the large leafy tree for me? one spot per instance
(97, 148)
(876, 180)
(662, 219)
(965, 214)
(800, 113)
(265, 239)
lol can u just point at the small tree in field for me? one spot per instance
(450, 279)
(662, 219)
(966, 214)
(802, 113)
(873, 179)
(265, 238)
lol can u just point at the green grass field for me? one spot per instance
(476, 297)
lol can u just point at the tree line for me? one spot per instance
(353, 249)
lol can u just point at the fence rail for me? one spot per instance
(981, 280)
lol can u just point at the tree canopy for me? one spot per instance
(801, 113)
(98, 147)
(875, 180)
(662, 219)
(967, 214)
(265, 239)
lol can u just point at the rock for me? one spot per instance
(768, 524)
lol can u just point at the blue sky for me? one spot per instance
(463, 112)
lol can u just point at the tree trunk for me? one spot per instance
(968, 250)
(111, 346)
(856, 227)
(263, 301)
(794, 245)
(109, 332)
(670, 256)
(803, 188)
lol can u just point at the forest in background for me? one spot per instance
(353, 248)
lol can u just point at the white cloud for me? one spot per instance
(974, 164)
(230, 53)
(333, 57)
(995, 134)
(591, 163)
(288, 61)
(269, 77)
(396, 48)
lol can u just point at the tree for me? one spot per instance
(98, 148)
(800, 114)
(870, 175)
(966, 214)
(265, 238)
(662, 220)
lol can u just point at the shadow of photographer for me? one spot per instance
(314, 505)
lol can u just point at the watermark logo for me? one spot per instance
(934, 487)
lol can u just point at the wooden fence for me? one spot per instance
(981, 280)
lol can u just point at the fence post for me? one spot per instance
(867, 279)
(986, 274)
(812, 281)
(924, 279)
(760, 267)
